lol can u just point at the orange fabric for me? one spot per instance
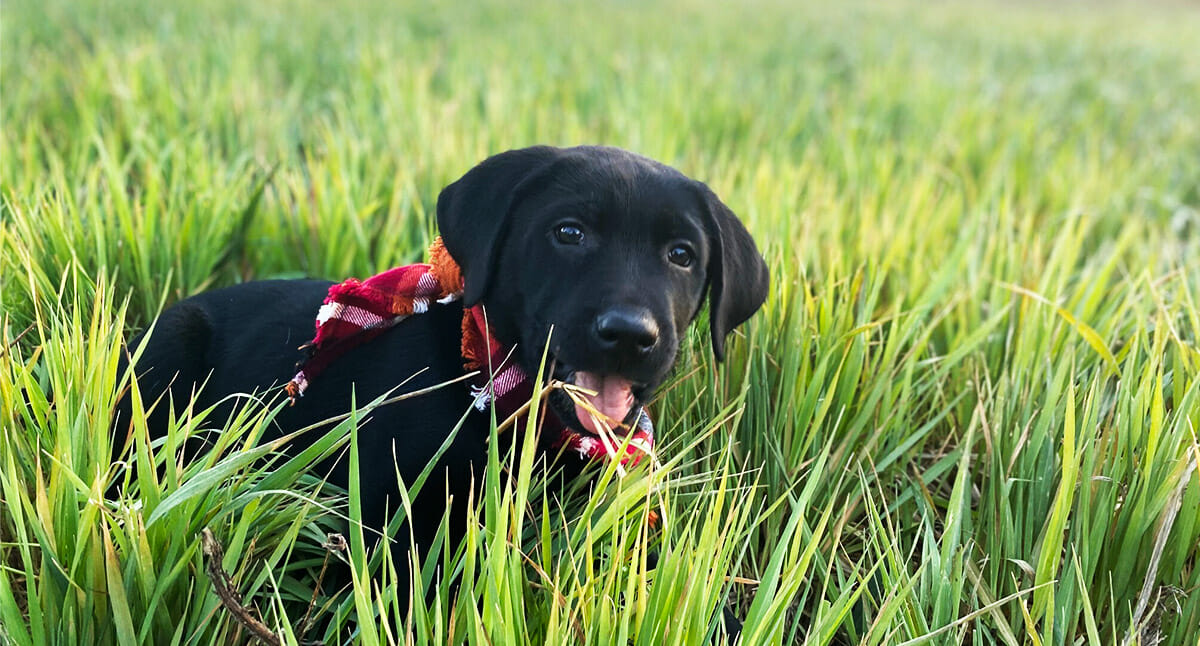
(444, 267)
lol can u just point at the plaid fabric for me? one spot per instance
(591, 447)
(356, 311)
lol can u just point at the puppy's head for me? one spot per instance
(607, 254)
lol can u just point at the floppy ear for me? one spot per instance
(737, 275)
(473, 213)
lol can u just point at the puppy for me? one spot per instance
(599, 255)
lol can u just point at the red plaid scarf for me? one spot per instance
(356, 311)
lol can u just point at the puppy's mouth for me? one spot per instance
(597, 403)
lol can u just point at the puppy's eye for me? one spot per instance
(680, 255)
(568, 234)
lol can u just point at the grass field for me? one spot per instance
(967, 413)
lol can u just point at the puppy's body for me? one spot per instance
(602, 256)
(244, 339)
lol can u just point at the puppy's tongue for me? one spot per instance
(613, 399)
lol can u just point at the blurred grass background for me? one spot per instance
(967, 413)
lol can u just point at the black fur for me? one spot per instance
(615, 300)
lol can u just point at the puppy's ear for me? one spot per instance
(737, 275)
(473, 213)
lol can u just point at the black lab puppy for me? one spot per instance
(612, 251)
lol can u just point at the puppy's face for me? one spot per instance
(604, 258)
(607, 262)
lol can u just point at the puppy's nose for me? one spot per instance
(629, 330)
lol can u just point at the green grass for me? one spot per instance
(967, 413)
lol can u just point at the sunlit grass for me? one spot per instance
(967, 413)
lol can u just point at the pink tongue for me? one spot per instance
(613, 399)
